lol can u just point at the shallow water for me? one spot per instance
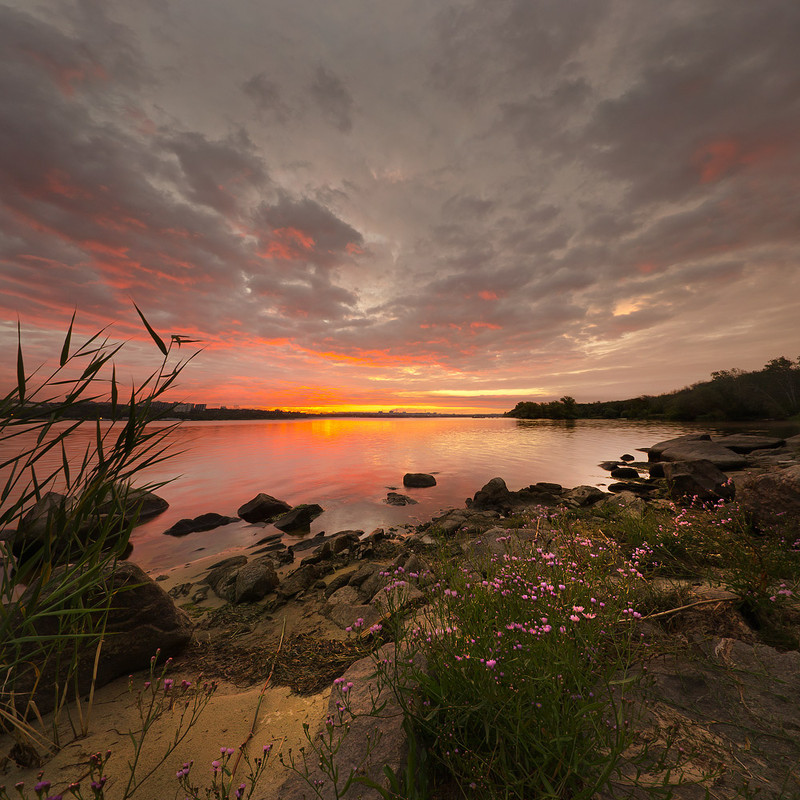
(348, 465)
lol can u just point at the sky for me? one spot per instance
(451, 205)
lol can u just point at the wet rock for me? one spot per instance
(608, 465)
(626, 457)
(255, 581)
(624, 473)
(419, 480)
(298, 518)
(314, 541)
(263, 508)
(205, 522)
(687, 479)
(397, 499)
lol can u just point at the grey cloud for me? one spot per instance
(333, 98)
(266, 95)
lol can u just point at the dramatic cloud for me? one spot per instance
(456, 204)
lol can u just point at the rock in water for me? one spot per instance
(298, 518)
(205, 522)
(263, 508)
(397, 499)
(493, 496)
(418, 480)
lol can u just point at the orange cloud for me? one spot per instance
(716, 159)
(490, 326)
(487, 295)
(288, 244)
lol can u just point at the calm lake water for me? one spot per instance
(348, 465)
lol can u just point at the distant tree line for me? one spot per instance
(772, 392)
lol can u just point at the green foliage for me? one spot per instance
(65, 518)
(772, 392)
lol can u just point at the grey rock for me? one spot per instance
(263, 508)
(254, 581)
(772, 498)
(363, 573)
(222, 577)
(392, 752)
(298, 581)
(582, 496)
(696, 447)
(687, 479)
(625, 503)
(418, 480)
(746, 443)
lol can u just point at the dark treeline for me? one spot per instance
(772, 392)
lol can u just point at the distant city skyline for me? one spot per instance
(448, 206)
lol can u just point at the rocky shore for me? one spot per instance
(291, 611)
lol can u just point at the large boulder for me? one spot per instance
(254, 581)
(357, 751)
(222, 577)
(142, 619)
(418, 480)
(654, 451)
(746, 443)
(772, 497)
(493, 496)
(205, 522)
(263, 508)
(697, 449)
(701, 479)
(299, 518)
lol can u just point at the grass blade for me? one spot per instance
(156, 338)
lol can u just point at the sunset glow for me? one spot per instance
(410, 206)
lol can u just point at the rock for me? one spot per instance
(624, 473)
(626, 457)
(263, 508)
(494, 496)
(582, 496)
(313, 541)
(696, 447)
(345, 540)
(43, 517)
(397, 499)
(772, 497)
(642, 489)
(363, 573)
(746, 443)
(298, 518)
(298, 581)
(419, 480)
(656, 469)
(793, 442)
(654, 451)
(687, 479)
(387, 727)
(552, 488)
(254, 581)
(222, 577)
(141, 620)
(205, 522)
(145, 505)
(608, 465)
(337, 582)
(625, 503)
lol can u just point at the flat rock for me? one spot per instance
(418, 480)
(746, 443)
(703, 450)
(654, 451)
(397, 499)
(205, 522)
